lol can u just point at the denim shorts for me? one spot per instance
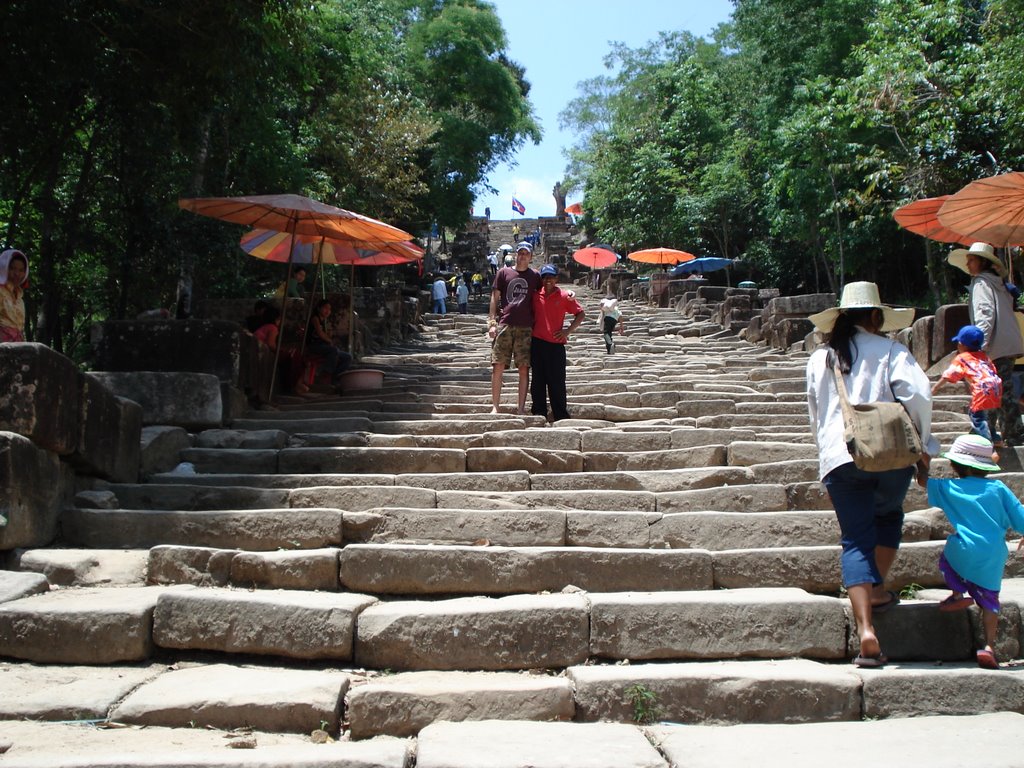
(869, 507)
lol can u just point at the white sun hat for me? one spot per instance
(958, 258)
(972, 451)
(863, 295)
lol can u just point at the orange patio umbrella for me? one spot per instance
(295, 215)
(921, 218)
(660, 256)
(308, 249)
(595, 258)
(988, 210)
(575, 209)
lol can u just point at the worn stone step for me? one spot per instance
(405, 703)
(40, 745)
(444, 570)
(81, 626)
(298, 625)
(226, 696)
(253, 529)
(508, 482)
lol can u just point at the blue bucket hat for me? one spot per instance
(971, 336)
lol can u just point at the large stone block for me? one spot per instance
(252, 529)
(717, 624)
(911, 690)
(223, 696)
(949, 319)
(301, 625)
(109, 435)
(39, 391)
(921, 341)
(160, 449)
(787, 691)
(516, 632)
(80, 626)
(189, 400)
(217, 347)
(408, 569)
(34, 485)
(403, 704)
(47, 692)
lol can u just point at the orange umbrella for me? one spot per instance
(660, 256)
(921, 218)
(595, 258)
(988, 210)
(295, 214)
(575, 209)
(307, 249)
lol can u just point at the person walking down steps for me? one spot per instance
(868, 505)
(981, 510)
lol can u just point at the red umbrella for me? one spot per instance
(921, 218)
(575, 209)
(988, 210)
(595, 258)
(660, 256)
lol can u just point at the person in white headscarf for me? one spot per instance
(13, 279)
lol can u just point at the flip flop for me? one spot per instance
(955, 603)
(894, 599)
(987, 660)
(872, 662)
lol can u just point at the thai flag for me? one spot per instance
(518, 207)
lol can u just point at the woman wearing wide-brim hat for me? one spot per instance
(868, 505)
(991, 309)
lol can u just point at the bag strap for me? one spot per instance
(844, 398)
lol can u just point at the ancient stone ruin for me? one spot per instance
(395, 574)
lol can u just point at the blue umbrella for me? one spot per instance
(701, 265)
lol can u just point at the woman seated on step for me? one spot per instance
(868, 505)
(289, 362)
(320, 343)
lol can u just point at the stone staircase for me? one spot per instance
(398, 577)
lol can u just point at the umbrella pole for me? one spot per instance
(351, 310)
(284, 306)
(312, 296)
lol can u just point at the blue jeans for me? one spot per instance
(979, 422)
(439, 307)
(869, 507)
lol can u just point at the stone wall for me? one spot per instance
(56, 425)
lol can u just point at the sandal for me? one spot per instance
(987, 659)
(872, 662)
(954, 603)
(894, 599)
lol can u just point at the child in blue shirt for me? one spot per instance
(981, 511)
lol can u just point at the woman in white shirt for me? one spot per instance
(610, 316)
(868, 505)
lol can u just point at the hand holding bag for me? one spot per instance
(879, 436)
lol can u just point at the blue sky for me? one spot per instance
(560, 43)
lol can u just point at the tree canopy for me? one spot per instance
(397, 109)
(791, 136)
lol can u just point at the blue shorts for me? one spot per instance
(869, 507)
